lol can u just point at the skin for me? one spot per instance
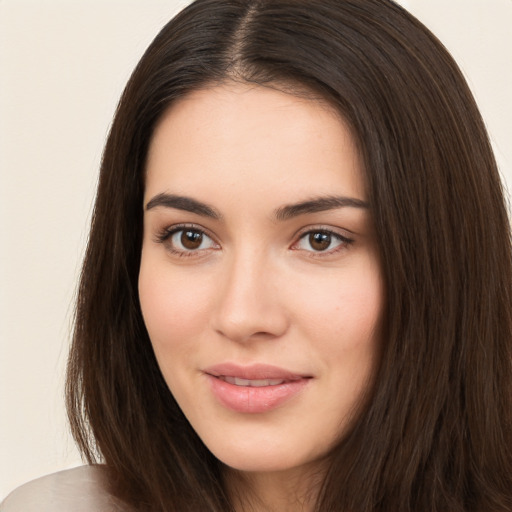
(259, 288)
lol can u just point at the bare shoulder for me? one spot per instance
(80, 489)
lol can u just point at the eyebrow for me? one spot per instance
(319, 204)
(283, 213)
(183, 203)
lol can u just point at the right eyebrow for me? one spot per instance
(183, 203)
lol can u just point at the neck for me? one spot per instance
(293, 490)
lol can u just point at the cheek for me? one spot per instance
(347, 307)
(342, 319)
(174, 307)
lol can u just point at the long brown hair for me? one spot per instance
(436, 432)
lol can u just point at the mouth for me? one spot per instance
(257, 383)
(256, 375)
(256, 388)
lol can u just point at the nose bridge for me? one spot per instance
(248, 300)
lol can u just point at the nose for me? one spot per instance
(249, 305)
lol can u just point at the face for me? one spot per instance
(259, 282)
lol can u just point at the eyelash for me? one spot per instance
(344, 241)
(166, 234)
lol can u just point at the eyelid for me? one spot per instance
(164, 235)
(169, 230)
(341, 234)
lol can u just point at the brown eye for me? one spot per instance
(188, 240)
(320, 241)
(191, 239)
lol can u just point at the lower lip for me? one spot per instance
(248, 399)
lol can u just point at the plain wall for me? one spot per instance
(63, 65)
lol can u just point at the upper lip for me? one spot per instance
(253, 372)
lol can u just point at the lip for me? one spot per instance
(250, 399)
(253, 372)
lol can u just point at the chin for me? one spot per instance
(263, 457)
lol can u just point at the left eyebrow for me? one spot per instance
(318, 205)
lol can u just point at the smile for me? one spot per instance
(254, 389)
(251, 383)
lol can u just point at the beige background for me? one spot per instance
(63, 65)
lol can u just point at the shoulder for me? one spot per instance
(81, 489)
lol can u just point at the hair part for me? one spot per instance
(435, 432)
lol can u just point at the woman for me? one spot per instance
(297, 289)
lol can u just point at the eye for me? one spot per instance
(321, 240)
(186, 240)
(190, 240)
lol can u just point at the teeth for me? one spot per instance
(252, 383)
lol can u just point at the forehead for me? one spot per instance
(262, 137)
